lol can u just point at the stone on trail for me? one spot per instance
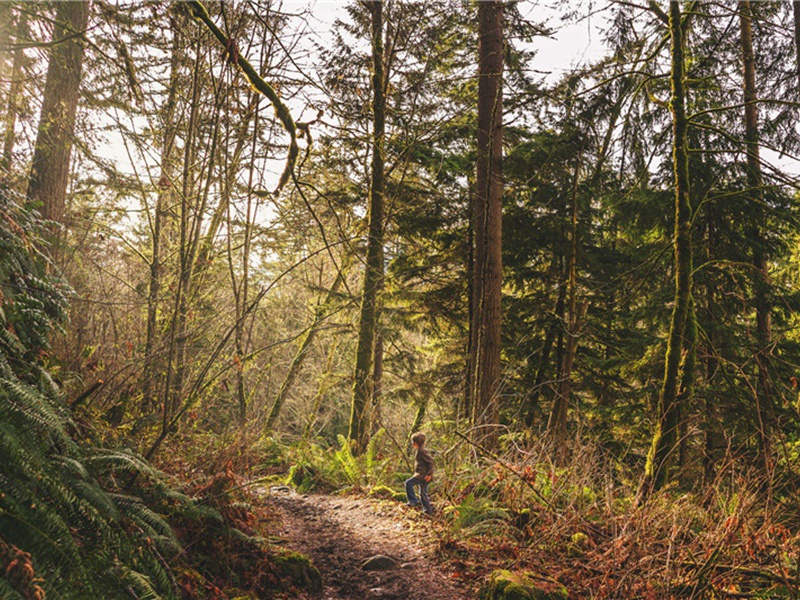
(505, 585)
(379, 562)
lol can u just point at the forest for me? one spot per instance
(249, 247)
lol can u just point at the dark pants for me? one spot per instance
(423, 493)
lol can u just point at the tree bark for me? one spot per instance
(47, 184)
(472, 323)
(373, 274)
(661, 457)
(796, 7)
(377, 378)
(14, 90)
(488, 220)
(686, 390)
(711, 363)
(763, 396)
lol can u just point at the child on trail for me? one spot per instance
(423, 473)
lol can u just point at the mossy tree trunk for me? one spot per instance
(373, 274)
(661, 457)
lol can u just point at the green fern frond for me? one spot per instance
(372, 451)
(140, 584)
(135, 510)
(347, 462)
(122, 460)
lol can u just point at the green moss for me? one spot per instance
(384, 491)
(505, 585)
(299, 569)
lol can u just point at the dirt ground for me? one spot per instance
(339, 533)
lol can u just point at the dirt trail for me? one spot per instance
(339, 533)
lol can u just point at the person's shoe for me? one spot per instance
(412, 504)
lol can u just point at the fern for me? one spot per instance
(347, 462)
(53, 503)
(370, 456)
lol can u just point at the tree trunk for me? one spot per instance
(373, 274)
(686, 392)
(472, 323)
(711, 363)
(488, 219)
(15, 89)
(163, 199)
(377, 380)
(557, 423)
(47, 185)
(661, 457)
(763, 396)
(419, 416)
(796, 7)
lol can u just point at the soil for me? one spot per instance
(339, 533)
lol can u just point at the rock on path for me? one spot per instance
(341, 534)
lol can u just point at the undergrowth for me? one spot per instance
(578, 524)
(80, 521)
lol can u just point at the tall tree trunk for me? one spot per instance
(163, 200)
(711, 363)
(796, 7)
(488, 219)
(178, 329)
(15, 89)
(47, 185)
(299, 358)
(557, 423)
(763, 397)
(373, 274)
(658, 469)
(472, 323)
(686, 390)
(377, 379)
